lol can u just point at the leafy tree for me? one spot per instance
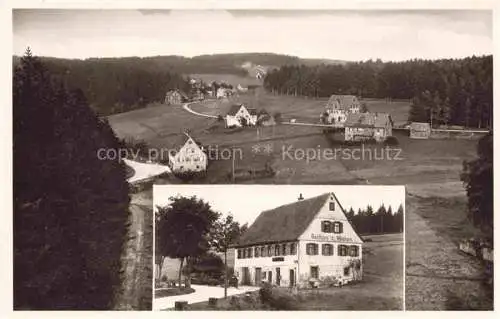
(182, 229)
(70, 206)
(364, 107)
(226, 232)
(477, 176)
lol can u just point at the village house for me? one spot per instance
(420, 130)
(363, 126)
(339, 106)
(306, 243)
(240, 113)
(187, 155)
(174, 97)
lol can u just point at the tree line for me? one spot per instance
(450, 91)
(115, 85)
(383, 220)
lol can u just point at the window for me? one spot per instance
(269, 251)
(315, 272)
(327, 250)
(332, 206)
(263, 251)
(326, 226)
(239, 253)
(312, 249)
(283, 249)
(244, 254)
(249, 254)
(337, 228)
(353, 251)
(342, 250)
(257, 251)
(293, 249)
(277, 250)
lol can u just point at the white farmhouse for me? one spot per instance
(187, 156)
(306, 243)
(240, 113)
(339, 107)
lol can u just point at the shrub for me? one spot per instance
(391, 141)
(277, 299)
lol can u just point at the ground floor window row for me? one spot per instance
(328, 250)
(286, 249)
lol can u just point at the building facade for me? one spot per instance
(174, 97)
(306, 243)
(339, 107)
(187, 156)
(364, 126)
(240, 113)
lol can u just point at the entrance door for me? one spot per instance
(270, 277)
(246, 276)
(292, 278)
(258, 276)
(314, 272)
(278, 277)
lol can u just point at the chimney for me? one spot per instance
(300, 197)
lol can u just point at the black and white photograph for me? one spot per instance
(279, 247)
(109, 104)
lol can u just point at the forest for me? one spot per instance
(444, 92)
(384, 220)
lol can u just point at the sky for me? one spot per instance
(246, 202)
(342, 34)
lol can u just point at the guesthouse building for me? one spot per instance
(187, 155)
(366, 126)
(306, 243)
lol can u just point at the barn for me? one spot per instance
(306, 243)
(419, 130)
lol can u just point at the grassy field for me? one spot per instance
(299, 108)
(438, 275)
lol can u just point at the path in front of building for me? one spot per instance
(201, 294)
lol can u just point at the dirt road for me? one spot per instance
(137, 257)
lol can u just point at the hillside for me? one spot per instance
(231, 63)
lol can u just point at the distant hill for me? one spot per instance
(231, 63)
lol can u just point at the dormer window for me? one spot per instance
(332, 206)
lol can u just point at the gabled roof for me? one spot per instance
(345, 101)
(170, 92)
(234, 109)
(368, 120)
(252, 111)
(284, 223)
(177, 141)
(420, 126)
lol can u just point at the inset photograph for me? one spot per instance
(270, 247)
